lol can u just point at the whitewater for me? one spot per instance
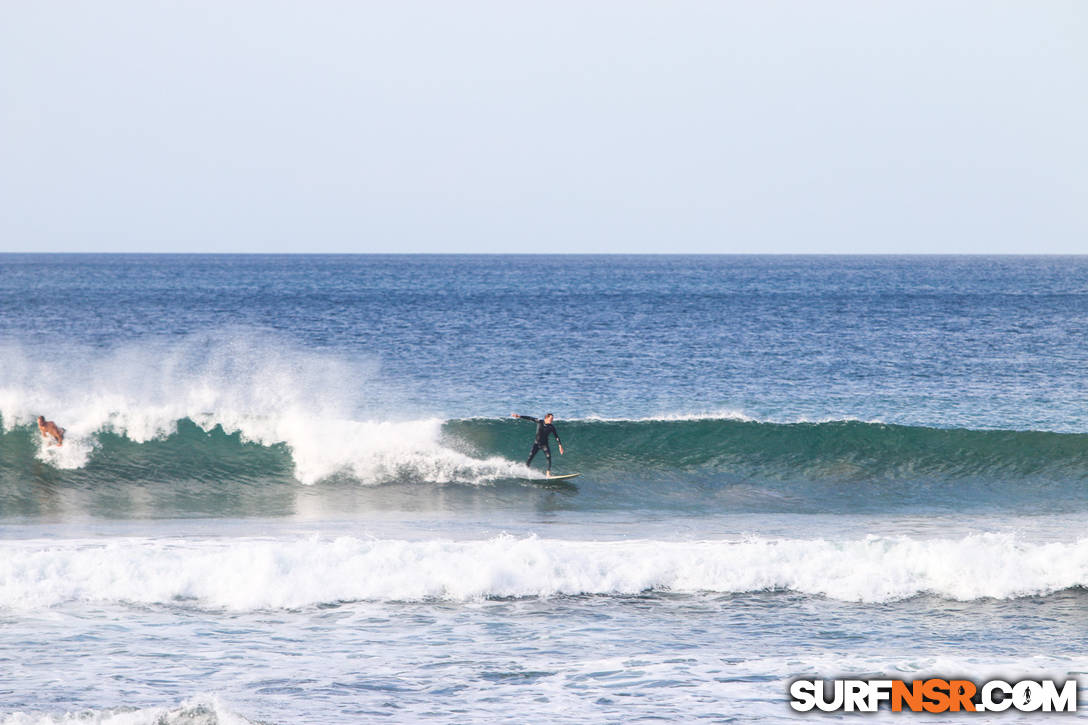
(293, 491)
(245, 574)
(238, 383)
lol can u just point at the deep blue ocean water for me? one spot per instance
(290, 488)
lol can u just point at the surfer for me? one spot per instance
(50, 429)
(544, 428)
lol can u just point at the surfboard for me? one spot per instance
(563, 477)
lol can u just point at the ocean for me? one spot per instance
(291, 490)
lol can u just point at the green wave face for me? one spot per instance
(842, 451)
(709, 466)
(189, 473)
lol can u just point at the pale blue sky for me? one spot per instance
(762, 126)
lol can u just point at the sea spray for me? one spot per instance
(321, 406)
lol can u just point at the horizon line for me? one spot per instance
(552, 254)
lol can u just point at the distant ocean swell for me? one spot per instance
(257, 574)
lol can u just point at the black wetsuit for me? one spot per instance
(540, 443)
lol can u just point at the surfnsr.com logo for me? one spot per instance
(933, 695)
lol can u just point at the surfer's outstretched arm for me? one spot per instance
(523, 417)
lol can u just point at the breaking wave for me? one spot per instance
(208, 402)
(223, 410)
(254, 574)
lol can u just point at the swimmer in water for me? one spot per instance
(50, 429)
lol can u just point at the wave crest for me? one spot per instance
(324, 409)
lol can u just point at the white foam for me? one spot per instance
(197, 711)
(324, 408)
(247, 574)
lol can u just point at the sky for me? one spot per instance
(569, 127)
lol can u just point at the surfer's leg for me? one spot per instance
(532, 454)
(548, 455)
